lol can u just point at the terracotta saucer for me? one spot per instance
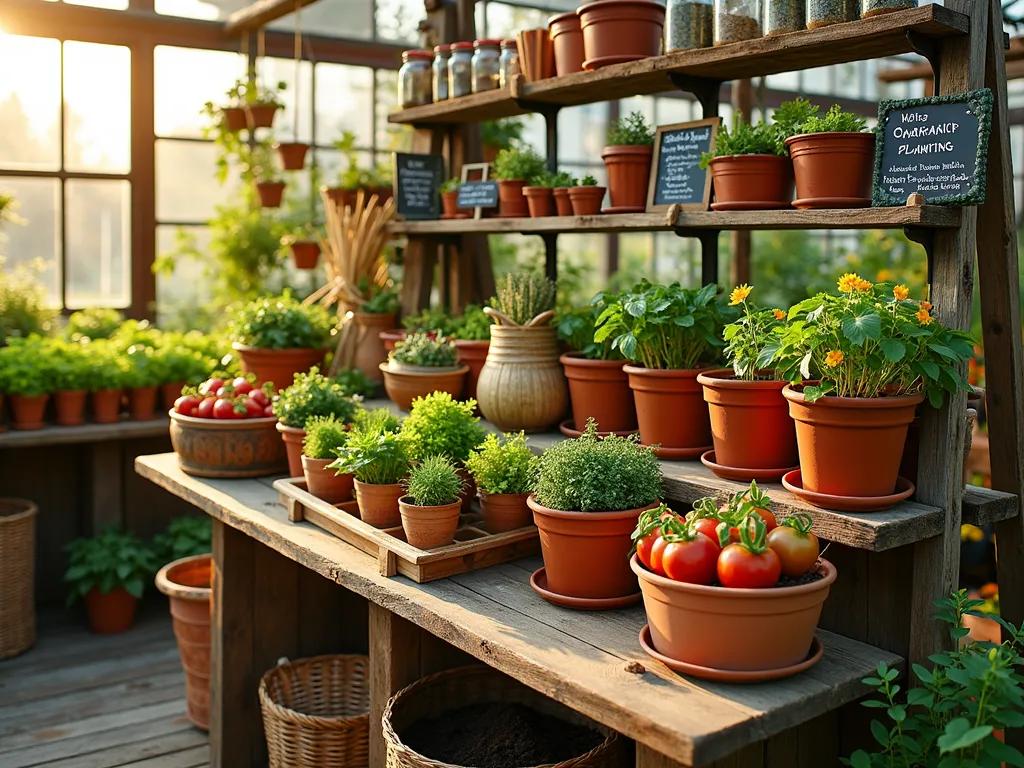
(730, 675)
(604, 61)
(681, 454)
(745, 475)
(623, 209)
(539, 582)
(794, 484)
(832, 202)
(749, 205)
(566, 428)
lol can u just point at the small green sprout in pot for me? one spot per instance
(423, 363)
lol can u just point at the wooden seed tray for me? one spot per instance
(474, 546)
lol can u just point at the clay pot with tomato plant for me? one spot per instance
(378, 458)
(505, 471)
(432, 503)
(324, 436)
(833, 160)
(627, 158)
(514, 168)
(423, 363)
(310, 395)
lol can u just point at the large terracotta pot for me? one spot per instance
(429, 527)
(278, 366)
(599, 389)
(230, 449)
(472, 354)
(292, 438)
(324, 483)
(187, 582)
(293, 155)
(370, 351)
(750, 422)
(563, 204)
(540, 201)
(733, 629)
(511, 200)
(112, 613)
(169, 393)
(305, 254)
(850, 446)
(106, 406)
(142, 403)
(586, 554)
(586, 201)
(832, 170)
(567, 40)
(504, 511)
(754, 181)
(629, 171)
(271, 193)
(378, 504)
(670, 408)
(404, 383)
(69, 407)
(392, 337)
(27, 411)
(615, 31)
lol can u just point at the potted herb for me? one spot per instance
(586, 198)
(422, 363)
(450, 198)
(106, 381)
(25, 379)
(505, 472)
(350, 179)
(379, 460)
(540, 195)
(143, 377)
(70, 368)
(497, 135)
(513, 168)
(324, 436)
(261, 103)
(472, 333)
(671, 333)
(431, 505)
(833, 160)
(627, 158)
(93, 323)
(561, 183)
(310, 395)
(590, 492)
(371, 319)
(109, 572)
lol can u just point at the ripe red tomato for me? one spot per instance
(740, 568)
(691, 561)
(645, 545)
(253, 410)
(210, 386)
(242, 385)
(658, 555)
(268, 411)
(225, 409)
(260, 397)
(187, 405)
(205, 409)
(795, 545)
(709, 527)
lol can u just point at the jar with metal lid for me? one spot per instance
(509, 62)
(460, 70)
(486, 65)
(415, 86)
(441, 54)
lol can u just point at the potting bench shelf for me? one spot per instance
(85, 433)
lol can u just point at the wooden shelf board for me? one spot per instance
(261, 13)
(86, 433)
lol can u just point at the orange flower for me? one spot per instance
(901, 292)
(926, 306)
(863, 285)
(739, 294)
(923, 317)
(834, 358)
(779, 314)
(848, 283)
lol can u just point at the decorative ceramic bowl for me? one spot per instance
(228, 448)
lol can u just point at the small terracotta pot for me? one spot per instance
(292, 438)
(106, 406)
(504, 511)
(670, 407)
(392, 337)
(370, 351)
(586, 201)
(429, 527)
(378, 504)
(586, 554)
(112, 613)
(599, 389)
(405, 384)
(142, 403)
(69, 407)
(235, 118)
(227, 448)
(750, 422)
(765, 179)
(615, 31)
(261, 115)
(540, 201)
(563, 205)
(169, 393)
(567, 40)
(271, 193)
(511, 200)
(629, 169)
(850, 446)
(324, 484)
(27, 411)
(449, 204)
(305, 254)
(278, 366)
(739, 629)
(293, 155)
(833, 170)
(472, 354)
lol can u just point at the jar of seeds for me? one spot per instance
(689, 24)
(821, 13)
(875, 7)
(784, 16)
(441, 54)
(509, 62)
(460, 70)
(737, 20)
(415, 79)
(486, 65)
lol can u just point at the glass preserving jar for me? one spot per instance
(441, 54)
(822, 13)
(737, 20)
(510, 61)
(415, 86)
(486, 65)
(875, 7)
(784, 16)
(689, 24)
(460, 70)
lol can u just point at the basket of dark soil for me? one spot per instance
(475, 716)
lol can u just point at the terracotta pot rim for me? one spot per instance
(538, 191)
(567, 514)
(577, 359)
(239, 347)
(472, 343)
(424, 370)
(481, 493)
(512, 181)
(284, 428)
(222, 424)
(563, 17)
(665, 373)
(270, 184)
(743, 158)
(377, 485)
(405, 501)
(733, 593)
(363, 315)
(589, 190)
(725, 378)
(613, 150)
(830, 134)
(181, 591)
(281, 144)
(895, 401)
(311, 460)
(600, 4)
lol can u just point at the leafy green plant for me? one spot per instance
(354, 382)
(434, 482)
(144, 367)
(374, 457)
(563, 179)
(789, 117)
(383, 301)
(518, 163)
(744, 139)
(500, 134)
(504, 464)
(376, 420)
(109, 367)
(631, 131)
(69, 365)
(185, 536)
(427, 350)
(93, 323)
(109, 560)
(281, 323)
(588, 181)
(521, 296)
(451, 185)
(836, 120)
(750, 341)
(23, 306)
(593, 474)
(439, 425)
(545, 179)
(179, 363)
(473, 325)
(26, 367)
(576, 328)
(313, 394)
(324, 436)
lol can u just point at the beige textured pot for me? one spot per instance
(404, 383)
(370, 350)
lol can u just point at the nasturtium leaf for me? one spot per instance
(892, 349)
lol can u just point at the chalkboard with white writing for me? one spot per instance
(676, 175)
(478, 194)
(937, 147)
(417, 181)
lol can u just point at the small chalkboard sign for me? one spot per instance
(677, 178)
(417, 181)
(478, 194)
(937, 147)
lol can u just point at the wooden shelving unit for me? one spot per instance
(85, 433)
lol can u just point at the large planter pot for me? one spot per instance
(187, 582)
(750, 422)
(404, 383)
(169, 393)
(733, 629)
(17, 576)
(629, 171)
(69, 407)
(522, 386)
(599, 389)
(271, 193)
(292, 438)
(563, 204)
(27, 411)
(378, 504)
(278, 366)
(293, 155)
(586, 201)
(540, 201)
(472, 354)
(227, 449)
(324, 483)
(751, 182)
(429, 527)
(567, 40)
(616, 31)
(586, 554)
(392, 337)
(832, 170)
(511, 200)
(305, 254)
(850, 446)
(142, 403)
(504, 511)
(112, 613)
(670, 408)
(370, 351)
(106, 406)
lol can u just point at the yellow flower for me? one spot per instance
(923, 317)
(863, 285)
(901, 292)
(850, 282)
(779, 314)
(739, 294)
(883, 275)
(834, 358)
(926, 306)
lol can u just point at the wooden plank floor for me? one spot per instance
(78, 700)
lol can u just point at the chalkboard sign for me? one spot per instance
(677, 178)
(478, 194)
(937, 147)
(417, 180)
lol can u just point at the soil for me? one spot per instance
(496, 735)
(733, 27)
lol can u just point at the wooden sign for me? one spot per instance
(417, 181)
(476, 191)
(676, 175)
(937, 147)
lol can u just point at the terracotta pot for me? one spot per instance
(392, 337)
(187, 582)
(586, 201)
(405, 384)
(278, 366)
(567, 40)
(982, 630)
(169, 393)
(235, 118)
(305, 254)
(750, 422)
(765, 179)
(504, 511)
(106, 406)
(629, 169)
(429, 527)
(271, 193)
(739, 629)
(384, 193)
(378, 504)
(27, 411)
(449, 204)
(586, 554)
(833, 170)
(230, 449)
(563, 205)
(342, 196)
(599, 389)
(511, 200)
(490, 153)
(540, 201)
(472, 354)
(142, 403)
(670, 407)
(112, 613)
(293, 155)
(615, 31)
(261, 115)
(850, 446)
(292, 438)
(69, 407)
(370, 351)
(324, 483)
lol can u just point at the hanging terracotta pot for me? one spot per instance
(429, 527)
(832, 170)
(27, 411)
(293, 438)
(629, 171)
(169, 393)
(370, 351)
(112, 613)
(235, 119)
(599, 389)
(293, 155)
(69, 407)
(540, 201)
(511, 200)
(106, 406)
(472, 354)
(323, 483)
(378, 504)
(278, 366)
(271, 193)
(586, 201)
(404, 383)
(567, 39)
(261, 115)
(616, 31)
(142, 403)
(341, 196)
(751, 182)
(305, 254)
(505, 511)
(563, 205)
(670, 409)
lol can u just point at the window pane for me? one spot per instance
(209, 74)
(350, 19)
(344, 99)
(211, 10)
(273, 71)
(186, 190)
(38, 203)
(399, 19)
(386, 100)
(181, 294)
(29, 103)
(581, 132)
(97, 107)
(503, 21)
(675, 110)
(99, 243)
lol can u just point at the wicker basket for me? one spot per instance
(455, 688)
(17, 576)
(316, 712)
